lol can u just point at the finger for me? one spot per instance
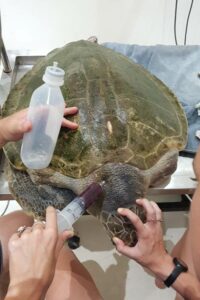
(159, 283)
(135, 220)
(38, 226)
(150, 211)
(70, 110)
(122, 248)
(65, 235)
(25, 126)
(69, 124)
(51, 218)
(14, 237)
(27, 230)
(157, 210)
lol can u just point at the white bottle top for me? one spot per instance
(54, 75)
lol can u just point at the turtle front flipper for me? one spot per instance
(163, 169)
(33, 198)
(50, 177)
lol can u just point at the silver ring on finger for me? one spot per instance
(40, 224)
(154, 220)
(20, 230)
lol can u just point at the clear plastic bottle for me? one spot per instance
(45, 112)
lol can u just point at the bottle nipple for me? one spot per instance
(54, 75)
(55, 64)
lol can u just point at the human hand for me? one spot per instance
(14, 126)
(70, 111)
(149, 250)
(33, 255)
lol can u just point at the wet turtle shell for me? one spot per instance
(131, 128)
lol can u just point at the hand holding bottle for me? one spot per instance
(14, 126)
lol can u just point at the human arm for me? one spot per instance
(14, 126)
(196, 164)
(32, 258)
(150, 251)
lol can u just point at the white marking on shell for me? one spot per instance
(109, 126)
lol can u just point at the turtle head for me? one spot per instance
(123, 184)
(119, 226)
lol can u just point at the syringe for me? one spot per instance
(71, 213)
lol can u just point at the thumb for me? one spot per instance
(118, 243)
(63, 237)
(123, 249)
(25, 126)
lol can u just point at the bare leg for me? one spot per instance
(188, 248)
(183, 250)
(8, 225)
(71, 280)
(194, 230)
(194, 224)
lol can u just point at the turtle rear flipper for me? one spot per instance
(163, 169)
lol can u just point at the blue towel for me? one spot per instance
(178, 68)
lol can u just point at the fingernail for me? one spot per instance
(25, 125)
(115, 239)
(120, 210)
(70, 234)
(138, 200)
(50, 207)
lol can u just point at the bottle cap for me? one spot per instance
(54, 75)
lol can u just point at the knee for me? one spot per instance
(14, 219)
(8, 225)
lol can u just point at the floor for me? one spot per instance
(117, 277)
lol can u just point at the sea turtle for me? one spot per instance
(131, 128)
